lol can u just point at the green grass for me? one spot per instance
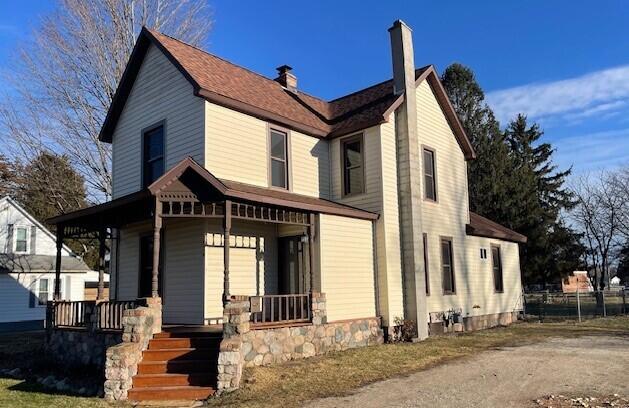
(293, 383)
(338, 374)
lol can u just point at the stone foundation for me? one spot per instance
(139, 326)
(75, 347)
(244, 346)
(472, 323)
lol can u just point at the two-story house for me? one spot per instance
(226, 183)
(27, 269)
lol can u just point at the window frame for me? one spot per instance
(39, 292)
(162, 124)
(426, 263)
(452, 269)
(287, 159)
(357, 137)
(27, 240)
(500, 268)
(433, 152)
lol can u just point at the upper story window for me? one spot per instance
(496, 263)
(430, 184)
(352, 159)
(152, 154)
(279, 158)
(21, 239)
(447, 267)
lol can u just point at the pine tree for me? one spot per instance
(7, 177)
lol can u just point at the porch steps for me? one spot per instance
(178, 365)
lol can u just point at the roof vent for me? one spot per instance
(286, 78)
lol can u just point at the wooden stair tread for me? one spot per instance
(181, 392)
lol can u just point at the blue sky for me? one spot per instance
(564, 63)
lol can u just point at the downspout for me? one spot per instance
(375, 268)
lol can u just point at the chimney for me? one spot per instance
(403, 58)
(409, 180)
(286, 78)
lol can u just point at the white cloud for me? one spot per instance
(593, 151)
(601, 92)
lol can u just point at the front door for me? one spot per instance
(146, 267)
(291, 271)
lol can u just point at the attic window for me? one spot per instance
(21, 240)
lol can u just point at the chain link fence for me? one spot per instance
(549, 305)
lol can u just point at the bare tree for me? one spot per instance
(599, 214)
(66, 75)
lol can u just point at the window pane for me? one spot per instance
(43, 291)
(497, 269)
(354, 181)
(155, 143)
(20, 240)
(353, 154)
(428, 163)
(278, 145)
(448, 272)
(278, 173)
(153, 165)
(430, 187)
(152, 171)
(429, 175)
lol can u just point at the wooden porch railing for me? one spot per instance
(282, 310)
(79, 314)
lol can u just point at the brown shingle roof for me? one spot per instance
(484, 227)
(235, 87)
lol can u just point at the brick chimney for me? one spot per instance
(287, 79)
(409, 178)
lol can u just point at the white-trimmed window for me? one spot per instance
(21, 239)
(43, 291)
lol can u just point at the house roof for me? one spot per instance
(15, 263)
(224, 83)
(484, 227)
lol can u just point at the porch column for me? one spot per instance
(101, 264)
(157, 227)
(227, 225)
(311, 233)
(57, 292)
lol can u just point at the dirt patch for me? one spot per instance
(515, 376)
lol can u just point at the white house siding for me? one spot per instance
(237, 149)
(447, 218)
(16, 289)
(159, 93)
(45, 243)
(347, 275)
(253, 267)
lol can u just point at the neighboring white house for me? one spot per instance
(27, 266)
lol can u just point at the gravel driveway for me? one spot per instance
(507, 377)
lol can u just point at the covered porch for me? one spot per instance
(167, 242)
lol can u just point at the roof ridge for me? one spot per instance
(218, 57)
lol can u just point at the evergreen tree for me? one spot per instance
(7, 177)
(623, 265)
(49, 186)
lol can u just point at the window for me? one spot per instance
(430, 185)
(352, 162)
(279, 159)
(21, 241)
(426, 276)
(447, 267)
(483, 253)
(43, 291)
(153, 154)
(496, 262)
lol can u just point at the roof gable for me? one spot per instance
(224, 83)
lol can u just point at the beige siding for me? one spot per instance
(237, 149)
(448, 217)
(347, 275)
(253, 263)
(183, 272)
(160, 92)
(129, 261)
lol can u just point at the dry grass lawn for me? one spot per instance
(337, 374)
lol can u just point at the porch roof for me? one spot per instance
(138, 206)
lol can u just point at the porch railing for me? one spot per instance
(87, 314)
(282, 310)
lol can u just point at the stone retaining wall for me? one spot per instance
(76, 347)
(244, 346)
